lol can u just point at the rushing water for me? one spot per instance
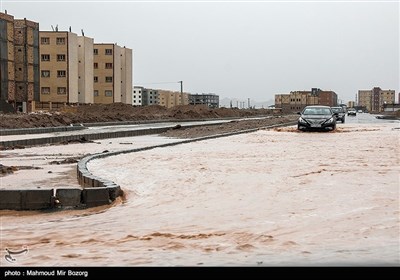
(274, 197)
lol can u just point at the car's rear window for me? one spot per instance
(317, 111)
(337, 110)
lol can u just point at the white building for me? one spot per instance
(137, 96)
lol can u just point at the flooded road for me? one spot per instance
(273, 197)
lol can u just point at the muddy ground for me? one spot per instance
(121, 112)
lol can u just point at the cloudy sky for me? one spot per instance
(240, 49)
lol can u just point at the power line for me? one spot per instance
(157, 83)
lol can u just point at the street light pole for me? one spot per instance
(182, 99)
(181, 82)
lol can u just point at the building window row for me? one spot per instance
(107, 65)
(46, 57)
(60, 73)
(107, 93)
(107, 51)
(60, 90)
(108, 79)
(46, 40)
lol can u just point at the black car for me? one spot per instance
(341, 113)
(317, 118)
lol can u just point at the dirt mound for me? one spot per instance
(70, 115)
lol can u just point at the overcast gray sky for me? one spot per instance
(240, 49)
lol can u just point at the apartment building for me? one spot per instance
(209, 99)
(19, 62)
(296, 100)
(149, 97)
(171, 99)
(351, 104)
(112, 74)
(59, 67)
(137, 96)
(375, 99)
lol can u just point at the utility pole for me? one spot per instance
(181, 86)
(182, 99)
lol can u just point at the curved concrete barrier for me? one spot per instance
(99, 191)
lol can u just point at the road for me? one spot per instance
(272, 197)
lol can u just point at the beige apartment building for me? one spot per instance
(19, 62)
(58, 67)
(375, 99)
(112, 74)
(297, 100)
(171, 99)
(76, 70)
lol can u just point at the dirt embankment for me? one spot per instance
(120, 112)
(232, 126)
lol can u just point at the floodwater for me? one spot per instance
(272, 197)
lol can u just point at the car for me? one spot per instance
(351, 112)
(316, 117)
(360, 111)
(341, 114)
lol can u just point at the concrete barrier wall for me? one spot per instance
(39, 130)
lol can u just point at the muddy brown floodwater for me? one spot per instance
(272, 197)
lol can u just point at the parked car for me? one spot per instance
(341, 114)
(317, 118)
(351, 112)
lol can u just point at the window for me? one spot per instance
(45, 40)
(60, 41)
(96, 93)
(108, 65)
(61, 73)
(109, 79)
(45, 73)
(95, 65)
(45, 57)
(95, 79)
(95, 51)
(45, 90)
(60, 57)
(61, 90)
(108, 51)
(108, 93)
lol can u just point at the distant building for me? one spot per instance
(373, 100)
(19, 62)
(295, 101)
(137, 96)
(149, 97)
(351, 104)
(209, 99)
(171, 99)
(112, 74)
